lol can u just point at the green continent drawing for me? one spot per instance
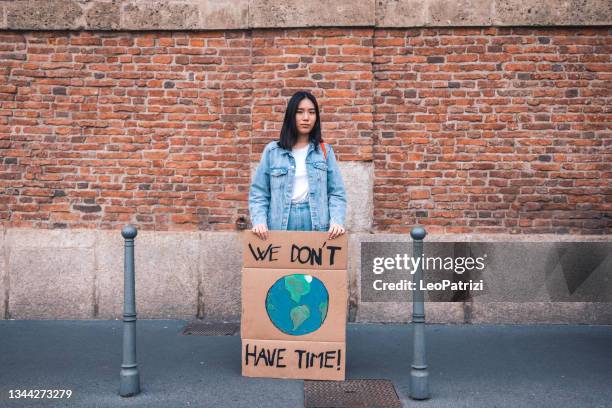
(323, 310)
(297, 304)
(297, 286)
(299, 314)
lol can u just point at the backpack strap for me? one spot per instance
(324, 151)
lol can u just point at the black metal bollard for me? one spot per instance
(419, 377)
(130, 376)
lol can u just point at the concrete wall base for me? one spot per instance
(78, 274)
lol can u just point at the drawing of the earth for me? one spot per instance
(297, 304)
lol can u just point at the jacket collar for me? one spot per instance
(283, 151)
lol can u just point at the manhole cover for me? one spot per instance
(350, 394)
(198, 328)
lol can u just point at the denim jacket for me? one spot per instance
(272, 187)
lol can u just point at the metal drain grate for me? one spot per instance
(198, 328)
(350, 394)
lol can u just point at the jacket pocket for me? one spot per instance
(278, 177)
(320, 170)
(320, 165)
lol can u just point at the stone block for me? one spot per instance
(245, 14)
(319, 13)
(392, 312)
(160, 15)
(598, 313)
(36, 238)
(3, 275)
(530, 13)
(589, 12)
(51, 283)
(3, 23)
(109, 274)
(40, 15)
(552, 282)
(224, 14)
(542, 313)
(166, 267)
(354, 274)
(103, 15)
(221, 273)
(436, 312)
(513, 271)
(460, 13)
(396, 312)
(544, 272)
(445, 312)
(50, 273)
(358, 181)
(401, 13)
(354, 270)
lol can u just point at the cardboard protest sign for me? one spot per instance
(294, 303)
(261, 293)
(293, 359)
(294, 250)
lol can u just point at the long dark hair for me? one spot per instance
(289, 134)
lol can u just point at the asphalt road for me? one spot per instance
(469, 365)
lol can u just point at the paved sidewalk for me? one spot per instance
(470, 366)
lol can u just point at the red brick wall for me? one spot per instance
(470, 130)
(336, 65)
(493, 130)
(99, 129)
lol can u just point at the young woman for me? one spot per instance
(298, 186)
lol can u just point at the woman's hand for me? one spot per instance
(261, 230)
(336, 230)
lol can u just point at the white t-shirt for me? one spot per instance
(300, 183)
